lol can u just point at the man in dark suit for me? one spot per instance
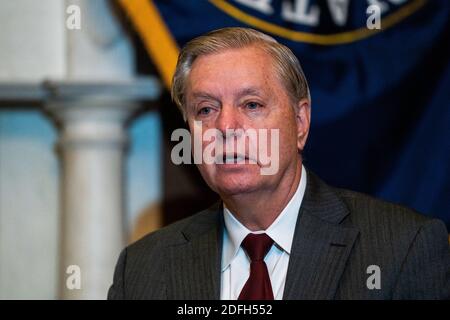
(279, 232)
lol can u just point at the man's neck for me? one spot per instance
(258, 210)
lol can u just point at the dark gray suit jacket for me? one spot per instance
(338, 235)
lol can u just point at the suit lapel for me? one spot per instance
(320, 249)
(321, 245)
(194, 266)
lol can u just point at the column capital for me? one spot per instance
(134, 89)
(94, 113)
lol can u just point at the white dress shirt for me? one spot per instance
(235, 268)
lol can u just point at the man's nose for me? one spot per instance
(228, 119)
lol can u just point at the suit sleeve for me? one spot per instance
(116, 291)
(425, 272)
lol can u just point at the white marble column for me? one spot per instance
(92, 151)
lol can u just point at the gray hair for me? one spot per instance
(286, 63)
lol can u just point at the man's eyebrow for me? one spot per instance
(250, 91)
(204, 95)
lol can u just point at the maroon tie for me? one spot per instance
(258, 285)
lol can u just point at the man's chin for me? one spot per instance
(230, 188)
(227, 182)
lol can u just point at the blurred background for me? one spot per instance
(86, 120)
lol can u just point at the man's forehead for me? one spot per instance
(251, 49)
(241, 72)
(237, 92)
(234, 59)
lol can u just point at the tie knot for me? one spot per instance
(257, 245)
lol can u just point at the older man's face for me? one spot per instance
(239, 89)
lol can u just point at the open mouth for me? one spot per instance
(235, 159)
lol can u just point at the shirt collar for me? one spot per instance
(281, 230)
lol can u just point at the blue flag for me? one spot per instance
(379, 75)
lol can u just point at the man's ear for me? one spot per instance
(303, 119)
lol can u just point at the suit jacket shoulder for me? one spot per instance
(141, 271)
(410, 249)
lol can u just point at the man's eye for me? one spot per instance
(253, 105)
(204, 111)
